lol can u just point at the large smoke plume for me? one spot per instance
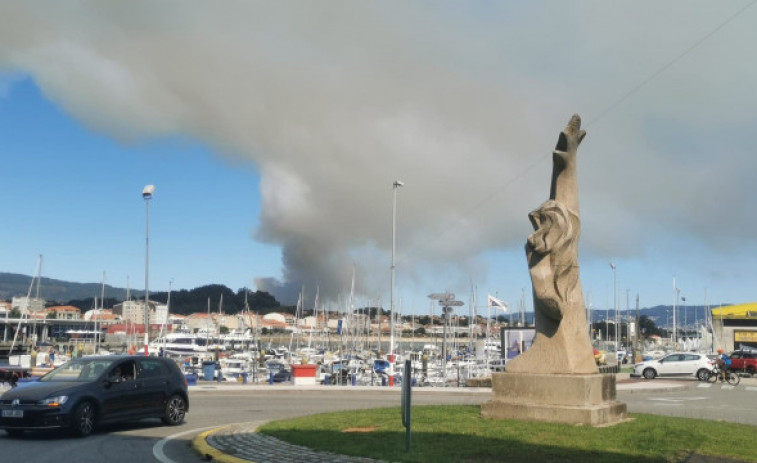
(334, 101)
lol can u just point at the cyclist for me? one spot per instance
(724, 363)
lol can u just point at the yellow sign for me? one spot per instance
(745, 336)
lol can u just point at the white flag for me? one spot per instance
(497, 304)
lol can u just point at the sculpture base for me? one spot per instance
(555, 398)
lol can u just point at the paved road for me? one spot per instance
(700, 400)
(217, 406)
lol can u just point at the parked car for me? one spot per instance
(744, 360)
(84, 393)
(280, 372)
(679, 364)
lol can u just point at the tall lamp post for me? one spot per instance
(395, 185)
(615, 301)
(677, 292)
(685, 317)
(147, 193)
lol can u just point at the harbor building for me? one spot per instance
(735, 326)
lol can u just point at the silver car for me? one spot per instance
(677, 364)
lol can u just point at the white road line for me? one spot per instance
(677, 400)
(157, 449)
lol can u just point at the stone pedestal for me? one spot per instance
(555, 398)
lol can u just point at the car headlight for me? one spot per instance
(56, 401)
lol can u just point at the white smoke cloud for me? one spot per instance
(333, 101)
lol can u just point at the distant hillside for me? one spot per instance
(82, 295)
(15, 285)
(662, 315)
(196, 300)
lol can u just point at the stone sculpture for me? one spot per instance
(562, 343)
(556, 379)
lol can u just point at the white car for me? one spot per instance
(675, 364)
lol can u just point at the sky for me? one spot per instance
(274, 132)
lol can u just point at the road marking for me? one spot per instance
(677, 400)
(750, 388)
(157, 449)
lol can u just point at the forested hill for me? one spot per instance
(208, 297)
(82, 295)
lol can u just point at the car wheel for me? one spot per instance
(649, 373)
(750, 369)
(176, 408)
(15, 432)
(83, 419)
(703, 374)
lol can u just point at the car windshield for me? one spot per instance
(79, 370)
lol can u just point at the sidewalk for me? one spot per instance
(240, 443)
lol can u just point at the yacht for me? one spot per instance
(184, 343)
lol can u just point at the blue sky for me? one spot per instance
(74, 196)
(273, 134)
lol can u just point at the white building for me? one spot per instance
(161, 314)
(134, 312)
(64, 312)
(28, 304)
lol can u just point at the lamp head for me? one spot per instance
(399, 183)
(148, 191)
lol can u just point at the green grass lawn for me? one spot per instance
(459, 434)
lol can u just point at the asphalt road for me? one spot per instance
(700, 400)
(211, 407)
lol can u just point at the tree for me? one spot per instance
(14, 313)
(648, 327)
(425, 320)
(52, 315)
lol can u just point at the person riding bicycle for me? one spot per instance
(724, 363)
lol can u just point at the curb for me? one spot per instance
(210, 453)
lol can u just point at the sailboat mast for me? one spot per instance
(26, 312)
(102, 307)
(315, 316)
(207, 326)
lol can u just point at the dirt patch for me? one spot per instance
(363, 429)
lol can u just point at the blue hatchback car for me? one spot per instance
(89, 391)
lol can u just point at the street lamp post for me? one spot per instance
(395, 185)
(675, 323)
(147, 193)
(615, 301)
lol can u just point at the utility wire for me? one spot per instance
(670, 64)
(602, 114)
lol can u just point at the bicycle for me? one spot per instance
(730, 376)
